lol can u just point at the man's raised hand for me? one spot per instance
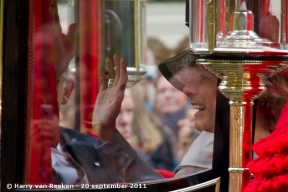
(109, 98)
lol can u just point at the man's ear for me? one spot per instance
(67, 91)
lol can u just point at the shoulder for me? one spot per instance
(71, 135)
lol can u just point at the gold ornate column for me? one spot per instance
(241, 132)
(241, 83)
(231, 49)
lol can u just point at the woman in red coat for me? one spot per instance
(270, 169)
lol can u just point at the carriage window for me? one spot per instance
(157, 130)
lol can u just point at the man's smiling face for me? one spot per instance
(202, 90)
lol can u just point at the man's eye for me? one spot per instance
(203, 78)
(161, 91)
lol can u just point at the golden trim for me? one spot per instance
(208, 1)
(239, 61)
(137, 37)
(237, 170)
(236, 141)
(240, 155)
(211, 24)
(206, 184)
(135, 73)
(283, 21)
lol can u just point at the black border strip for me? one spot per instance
(14, 94)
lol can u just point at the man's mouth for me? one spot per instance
(199, 107)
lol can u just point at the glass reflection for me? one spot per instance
(145, 132)
(118, 30)
(89, 143)
(119, 147)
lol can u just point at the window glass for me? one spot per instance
(84, 130)
(161, 126)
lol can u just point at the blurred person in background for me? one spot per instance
(144, 132)
(187, 134)
(67, 107)
(156, 52)
(170, 104)
(146, 86)
(159, 49)
(181, 46)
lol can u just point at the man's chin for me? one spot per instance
(198, 129)
(202, 127)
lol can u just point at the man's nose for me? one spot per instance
(191, 89)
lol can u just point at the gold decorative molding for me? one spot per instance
(199, 186)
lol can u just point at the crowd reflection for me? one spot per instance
(155, 118)
(145, 132)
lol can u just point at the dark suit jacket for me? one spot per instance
(81, 148)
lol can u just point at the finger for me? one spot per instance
(56, 20)
(117, 69)
(123, 77)
(102, 78)
(110, 68)
(72, 29)
(71, 35)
